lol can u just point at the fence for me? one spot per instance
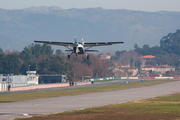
(133, 78)
(4, 86)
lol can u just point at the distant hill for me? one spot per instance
(19, 28)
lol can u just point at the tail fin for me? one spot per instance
(75, 39)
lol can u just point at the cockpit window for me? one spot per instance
(80, 43)
(75, 43)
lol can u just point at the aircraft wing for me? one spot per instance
(101, 44)
(56, 43)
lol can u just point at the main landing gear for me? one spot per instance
(70, 55)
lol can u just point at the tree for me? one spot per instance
(168, 73)
(27, 54)
(2, 59)
(35, 50)
(114, 57)
(152, 62)
(146, 50)
(97, 66)
(1, 50)
(170, 59)
(59, 52)
(10, 63)
(167, 53)
(130, 57)
(50, 64)
(131, 62)
(136, 47)
(119, 53)
(150, 71)
(171, 43)
(81, 70)
(87, 61)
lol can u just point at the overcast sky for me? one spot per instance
(140, 5)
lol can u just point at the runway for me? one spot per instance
(75, 102)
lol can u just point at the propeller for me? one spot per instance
(75, 44)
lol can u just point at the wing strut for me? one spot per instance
(68, 48)
(89, 47)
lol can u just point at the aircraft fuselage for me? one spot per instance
(78, 48)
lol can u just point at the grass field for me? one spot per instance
(76, 91)
(159, 108)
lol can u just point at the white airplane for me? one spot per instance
(79, 47)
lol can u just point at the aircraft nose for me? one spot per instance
(75, 44)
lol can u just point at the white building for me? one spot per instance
(18, 80)
(32, 77)
(105, 57)
(161, 69)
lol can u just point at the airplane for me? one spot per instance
(79, 47)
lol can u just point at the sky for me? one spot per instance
(138, 5)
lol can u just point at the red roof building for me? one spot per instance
(105, 57)
(147, 57)
(158, 69)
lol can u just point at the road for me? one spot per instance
(75, 102)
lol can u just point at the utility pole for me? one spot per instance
(74, 77)
(29, 67)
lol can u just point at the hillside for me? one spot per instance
(19, 28)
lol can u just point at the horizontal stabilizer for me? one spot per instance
(91, 50)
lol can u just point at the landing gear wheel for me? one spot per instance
(68, 56)
(87, 56)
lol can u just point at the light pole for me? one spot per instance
(29, 67)
(74, 78)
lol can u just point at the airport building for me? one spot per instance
(18, 80)
(47, 79)
(30, 79)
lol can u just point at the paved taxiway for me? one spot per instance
(71, 87)
(59, 104)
